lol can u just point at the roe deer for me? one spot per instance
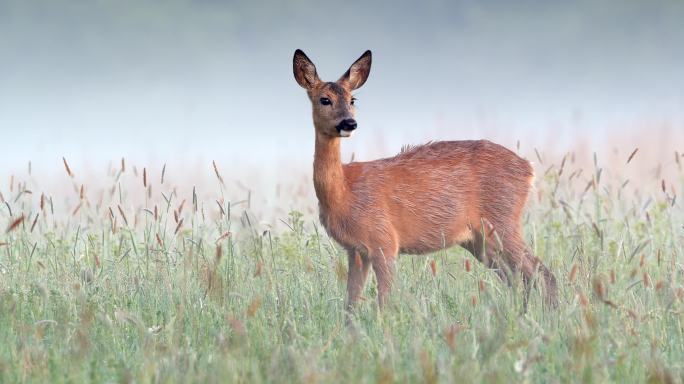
(426, 198)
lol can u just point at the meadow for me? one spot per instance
(139, 279)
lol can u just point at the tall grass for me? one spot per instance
(138, 280)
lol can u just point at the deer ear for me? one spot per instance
(358, 73)
(304, 70)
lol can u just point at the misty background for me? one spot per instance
(185, 80)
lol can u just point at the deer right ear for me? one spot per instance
(304, 70)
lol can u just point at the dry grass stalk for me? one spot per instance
(223, 212)
(223, 236)
(78, 208)
(123, 215)
(35, 221)
(180, 208)
(178, 227)
(66, 166)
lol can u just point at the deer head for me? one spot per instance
(332, 102)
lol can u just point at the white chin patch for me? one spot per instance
(344, 133)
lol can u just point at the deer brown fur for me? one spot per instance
(428, 197)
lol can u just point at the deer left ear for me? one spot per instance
(358, 73)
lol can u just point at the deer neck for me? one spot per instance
(329, 181)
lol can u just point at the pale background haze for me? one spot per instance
(194, 81)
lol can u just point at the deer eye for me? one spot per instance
(353, 100)
(325, 101)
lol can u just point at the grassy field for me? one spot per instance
(133, 282)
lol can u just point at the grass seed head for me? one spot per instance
(218, 174)
(573, 273)
(218, 255)
(647, 280)
(254, 306)
(14, 224)
(631, 156)
(66, 166)
(258, 268)
(599, 288)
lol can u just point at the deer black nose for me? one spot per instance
(346, 125)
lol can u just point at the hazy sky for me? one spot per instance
(158, 81)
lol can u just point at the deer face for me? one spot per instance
(332, 102)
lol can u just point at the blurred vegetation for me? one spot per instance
(137, 283)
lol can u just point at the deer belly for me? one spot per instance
(429, 230)
(426, 242)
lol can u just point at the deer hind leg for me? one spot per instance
(359, 266)
(508, 255)
(520, 259)
(485, 253)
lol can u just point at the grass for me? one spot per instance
(143, 286)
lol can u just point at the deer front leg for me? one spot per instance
(356, 277)
(384, 265)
